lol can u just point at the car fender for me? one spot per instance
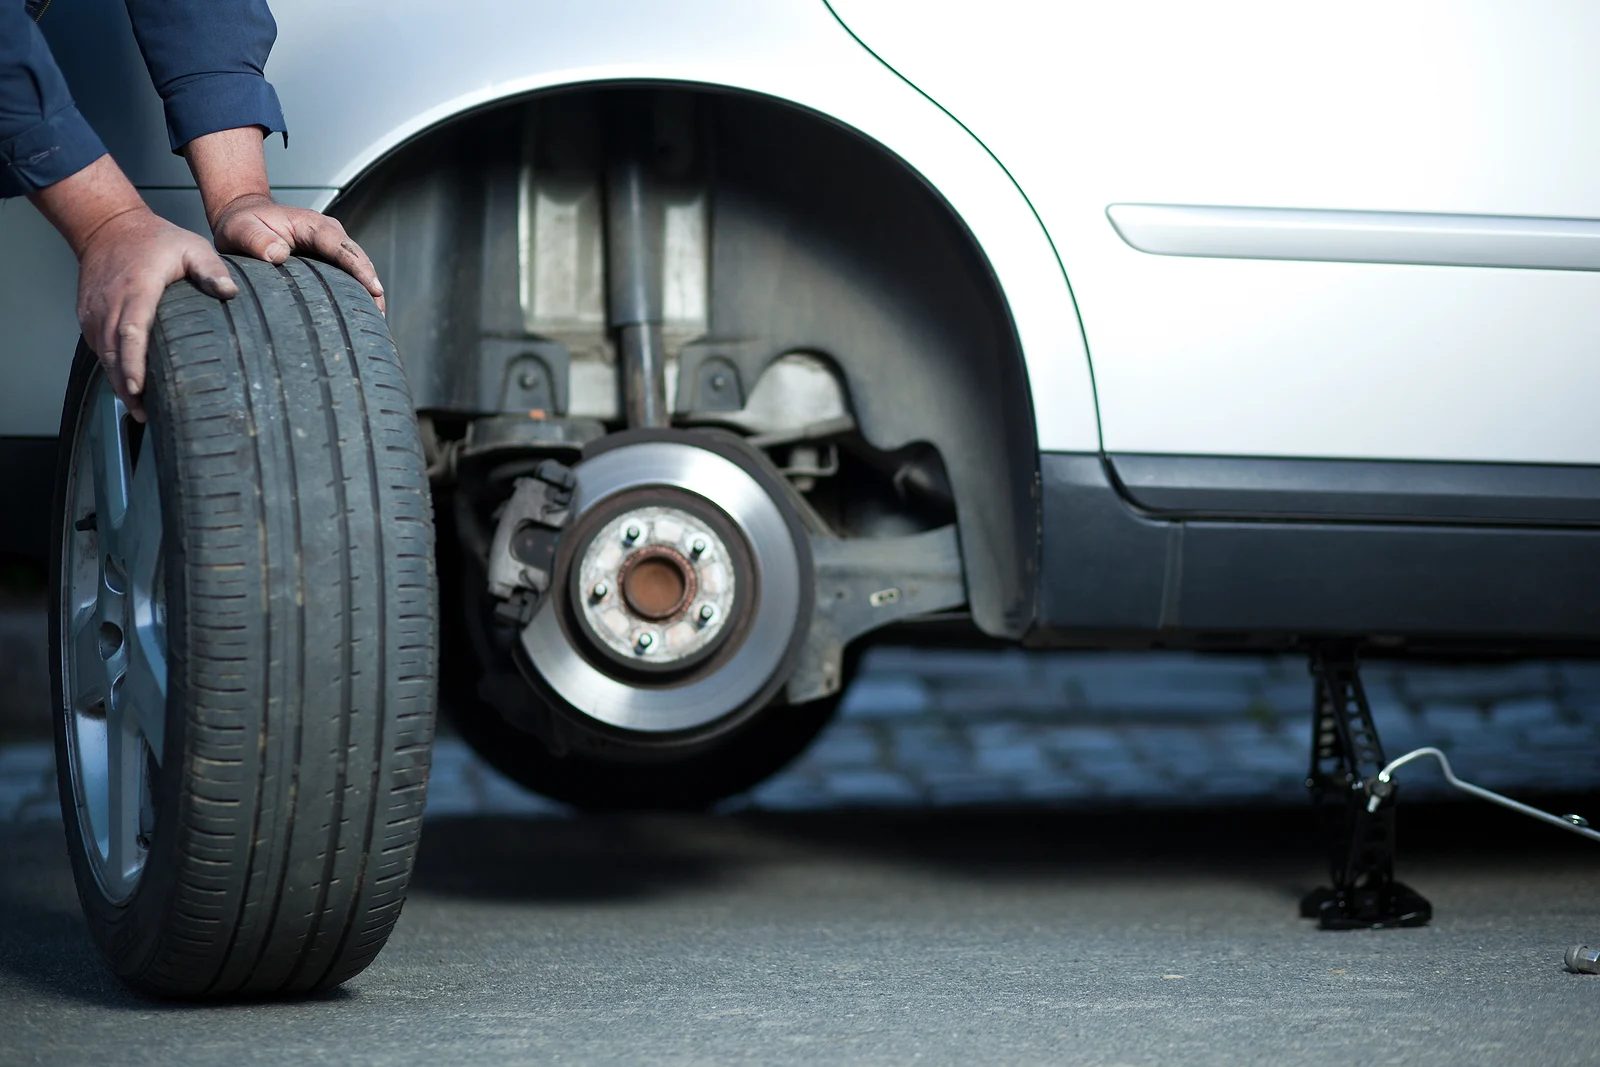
(360, 78)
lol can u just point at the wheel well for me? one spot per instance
(793, 234)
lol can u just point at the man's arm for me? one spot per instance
(231, 170)
(127, 256)
(43, 138)
(207, 59)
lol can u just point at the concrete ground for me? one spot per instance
(990, 858)
(944, 937)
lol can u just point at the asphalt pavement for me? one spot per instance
(991, 858)
(941, 937)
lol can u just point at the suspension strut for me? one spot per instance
(634, 253)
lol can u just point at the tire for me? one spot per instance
(693, 783)
(276, 833)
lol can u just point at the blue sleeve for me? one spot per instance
(206, 59)
(43, 138)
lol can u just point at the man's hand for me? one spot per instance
(127, 256)
(126, 259)
(123, 270)
(231, 169)
(254, 225)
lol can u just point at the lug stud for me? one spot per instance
(698, 548)
(632, 534)
(644, 643)
(707, 613)
(600, 590)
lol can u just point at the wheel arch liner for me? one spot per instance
(820, 242)
(891, 278)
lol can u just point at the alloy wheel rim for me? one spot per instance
(113, 639)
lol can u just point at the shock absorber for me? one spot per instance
(633, 219)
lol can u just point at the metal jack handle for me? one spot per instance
(1580, 959)
(1575, 823)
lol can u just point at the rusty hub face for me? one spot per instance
(657, 587)
(657, 583)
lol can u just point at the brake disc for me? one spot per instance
(679, 594)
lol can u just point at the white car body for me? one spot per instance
(725, 337)
(406, 67)
(1427, 107)
(1229, 230)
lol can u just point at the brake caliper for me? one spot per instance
(529, 524)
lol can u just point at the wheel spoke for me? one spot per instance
(108, 446)
(141, 525)
(125, 759)
(144, 691)
(89, 683)
(116, 659)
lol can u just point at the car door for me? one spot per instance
(1428, 172)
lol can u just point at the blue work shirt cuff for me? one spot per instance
(59, 147)
(205, 103)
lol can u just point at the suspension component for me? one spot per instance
(1355, 801)
(676, 600)
(634, 226)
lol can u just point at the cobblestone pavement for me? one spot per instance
(935, 728)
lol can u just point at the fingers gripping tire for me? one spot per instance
(260, 837)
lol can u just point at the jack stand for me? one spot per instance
(1356, 806)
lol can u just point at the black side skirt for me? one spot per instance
(1115, 573)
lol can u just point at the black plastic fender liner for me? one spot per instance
(820, 241)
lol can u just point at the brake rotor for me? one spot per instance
(682, 588)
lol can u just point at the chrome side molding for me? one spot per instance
(1359, 236)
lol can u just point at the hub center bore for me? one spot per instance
(656, 586)
(657, 582)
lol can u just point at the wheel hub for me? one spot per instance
(657, 584)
